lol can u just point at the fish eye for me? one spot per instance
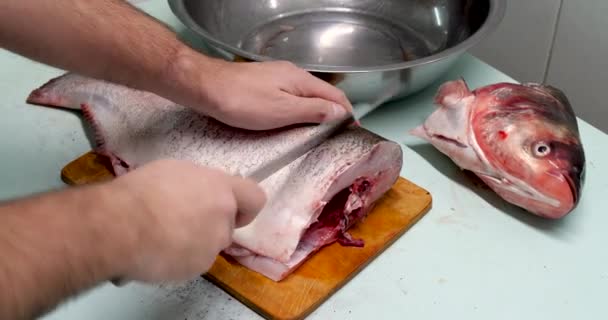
(542, 149)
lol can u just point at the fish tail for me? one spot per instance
(46, 96)
(76, 92)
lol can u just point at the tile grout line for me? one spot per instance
(553, 39)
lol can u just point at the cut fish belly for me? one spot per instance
(311, 203)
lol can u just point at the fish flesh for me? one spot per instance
(522, 140)
(310, 203)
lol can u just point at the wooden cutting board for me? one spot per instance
(323, 274)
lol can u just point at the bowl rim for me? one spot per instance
(495, 15)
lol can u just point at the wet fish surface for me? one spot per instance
(522, 140)
(311, 203)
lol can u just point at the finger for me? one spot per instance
(310, 86)
(314, 110)
(250, 200)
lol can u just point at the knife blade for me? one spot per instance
(326, 130)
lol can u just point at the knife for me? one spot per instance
(327, 130)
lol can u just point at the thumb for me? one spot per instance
(250, 199)
(315, 110)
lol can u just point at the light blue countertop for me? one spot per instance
(471, 257)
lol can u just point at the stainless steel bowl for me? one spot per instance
(363, 46)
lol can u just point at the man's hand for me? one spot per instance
(251, 95)
(266, 95)
(113, 41)
(167, 220)
(184, 215)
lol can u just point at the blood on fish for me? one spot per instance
(363, 187)
(333, 221)
(503, 135)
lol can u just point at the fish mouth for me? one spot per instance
(574, 182)
(516, 188)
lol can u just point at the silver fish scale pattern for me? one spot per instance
(140, 127)
(178, 132)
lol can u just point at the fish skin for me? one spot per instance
(522, 140)
(135, 127)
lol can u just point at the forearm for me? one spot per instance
(55, 245)
(104, 39)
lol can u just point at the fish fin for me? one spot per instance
(419, 132)
(119, 166)
(90, 118)
(46, 96)
(451, 92)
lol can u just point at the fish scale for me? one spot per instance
(135, 127)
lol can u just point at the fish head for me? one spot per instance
(528, 134)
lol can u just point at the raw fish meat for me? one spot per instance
(311, 203)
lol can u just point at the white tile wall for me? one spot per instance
(579, 62)
(561, 42)
(521, 44)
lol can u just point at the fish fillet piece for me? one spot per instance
(311, 203)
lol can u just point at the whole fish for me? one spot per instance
(311, 203)
(522, 140)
